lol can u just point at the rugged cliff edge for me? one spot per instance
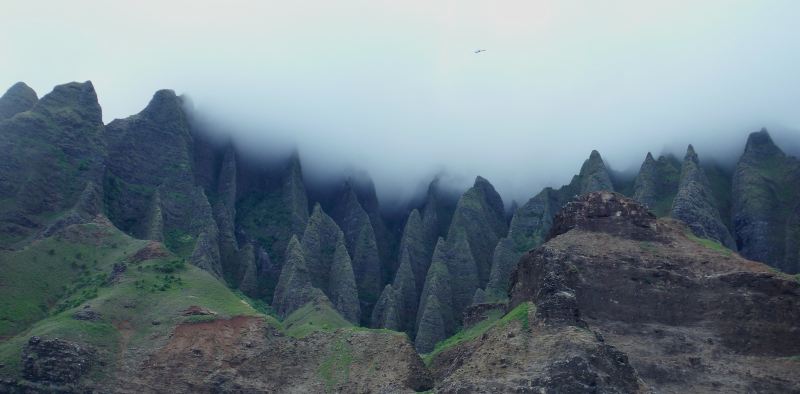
(620, 301)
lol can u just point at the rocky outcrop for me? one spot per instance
(695, 204)
(657, 183)
(688, 317)
(18, 98)
(766, 191)
(56, 362)
(480, 217)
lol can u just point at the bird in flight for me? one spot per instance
(479, 50)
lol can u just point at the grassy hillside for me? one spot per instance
(45, 284)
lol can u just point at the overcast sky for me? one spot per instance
(393, 87)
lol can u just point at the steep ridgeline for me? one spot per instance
(766, 204)
(150, 185)
(657, 183)
(531, 223)
(51, 150)
(696, 205)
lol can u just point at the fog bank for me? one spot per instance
(395, 88)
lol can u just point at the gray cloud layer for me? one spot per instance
(395, 88)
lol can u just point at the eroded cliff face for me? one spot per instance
(691, 316)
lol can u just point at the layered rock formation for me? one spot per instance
(688, 317)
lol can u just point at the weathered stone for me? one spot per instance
(55, 361)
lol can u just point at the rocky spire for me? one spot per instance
(342, 289)
(436, 318)
(462, 268)
(294, 195)
(398, 302)
(657, 183)
(386, 312)
(416, 247)
(329, 266)
(18, 98)
(225, 214)
(695, 204)
(362, 246)
(294, 288)
(766, 188)
(247, 279)
(594, 175)
(479, 215)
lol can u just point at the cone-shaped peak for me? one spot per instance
(649, 157)
(18, 98)
(691, 155)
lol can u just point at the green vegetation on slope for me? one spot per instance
(314, 316)
(709, 243)
(495, 319)
(136, 311)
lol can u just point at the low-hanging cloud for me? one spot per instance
(395, 88)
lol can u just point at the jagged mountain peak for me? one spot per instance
(79, 98)
(691, 154)
(165, 107)
(760, 143)
(18, 98)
